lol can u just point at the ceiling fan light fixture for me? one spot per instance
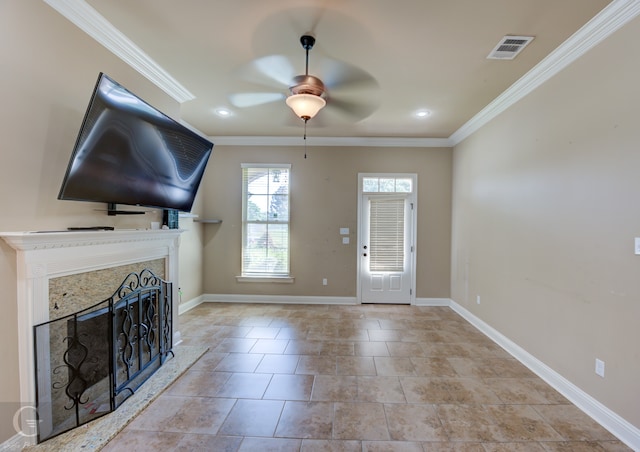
(305, 106)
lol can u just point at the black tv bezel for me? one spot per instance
(111, 209)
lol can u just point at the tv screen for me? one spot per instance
(128, 152)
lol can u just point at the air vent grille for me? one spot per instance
(509, 47)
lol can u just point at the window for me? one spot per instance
(387, 185)
(265, 221)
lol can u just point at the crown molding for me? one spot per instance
(95, 25)
(332, 141)
(600, 27)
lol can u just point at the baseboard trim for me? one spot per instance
(187, 306)
(432, 302)
(289, 299)
(622, 429)
(284, 299)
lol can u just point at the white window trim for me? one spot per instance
(265, 278)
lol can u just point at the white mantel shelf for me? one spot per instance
(23, 241)
(41, 256)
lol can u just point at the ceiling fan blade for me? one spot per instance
(352, 92)
(272, 70)
(339, 75)
(353, 109)
(243, 100)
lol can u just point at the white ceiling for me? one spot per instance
(415, 54)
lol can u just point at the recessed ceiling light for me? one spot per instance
(422, 113)
(223, 112)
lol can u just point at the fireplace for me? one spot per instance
(89, 362)
(45, 258)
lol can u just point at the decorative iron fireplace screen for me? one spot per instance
(89, 362)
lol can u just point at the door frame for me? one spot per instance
(414, 227)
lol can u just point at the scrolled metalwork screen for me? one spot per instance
(90, 362)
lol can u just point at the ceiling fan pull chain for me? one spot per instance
(305, 138)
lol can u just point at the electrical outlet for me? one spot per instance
(600, 367)
(324, 281)
(478, 299)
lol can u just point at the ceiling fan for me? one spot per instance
(346, 89)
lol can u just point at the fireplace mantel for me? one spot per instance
(28, 241)
(41, 256)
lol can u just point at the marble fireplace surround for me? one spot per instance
(42, 256)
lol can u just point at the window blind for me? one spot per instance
(386, 235)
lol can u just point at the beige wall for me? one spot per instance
(324, 198)
(49, 69)
(191, 255)
(544, 219)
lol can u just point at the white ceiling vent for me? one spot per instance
(509, 47)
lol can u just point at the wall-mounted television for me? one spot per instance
(128, 152)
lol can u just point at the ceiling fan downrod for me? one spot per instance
(307, 42)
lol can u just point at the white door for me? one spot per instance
(386, 248)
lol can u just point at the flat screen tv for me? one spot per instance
(128, 152)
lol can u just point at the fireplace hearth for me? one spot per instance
(89, 362)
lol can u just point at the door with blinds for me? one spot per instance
(386, 246)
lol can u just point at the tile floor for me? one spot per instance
(354, 378)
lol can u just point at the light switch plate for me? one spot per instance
(637, 245)
(345, 240)
(344, 231)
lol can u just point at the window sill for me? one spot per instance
(266, 279)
